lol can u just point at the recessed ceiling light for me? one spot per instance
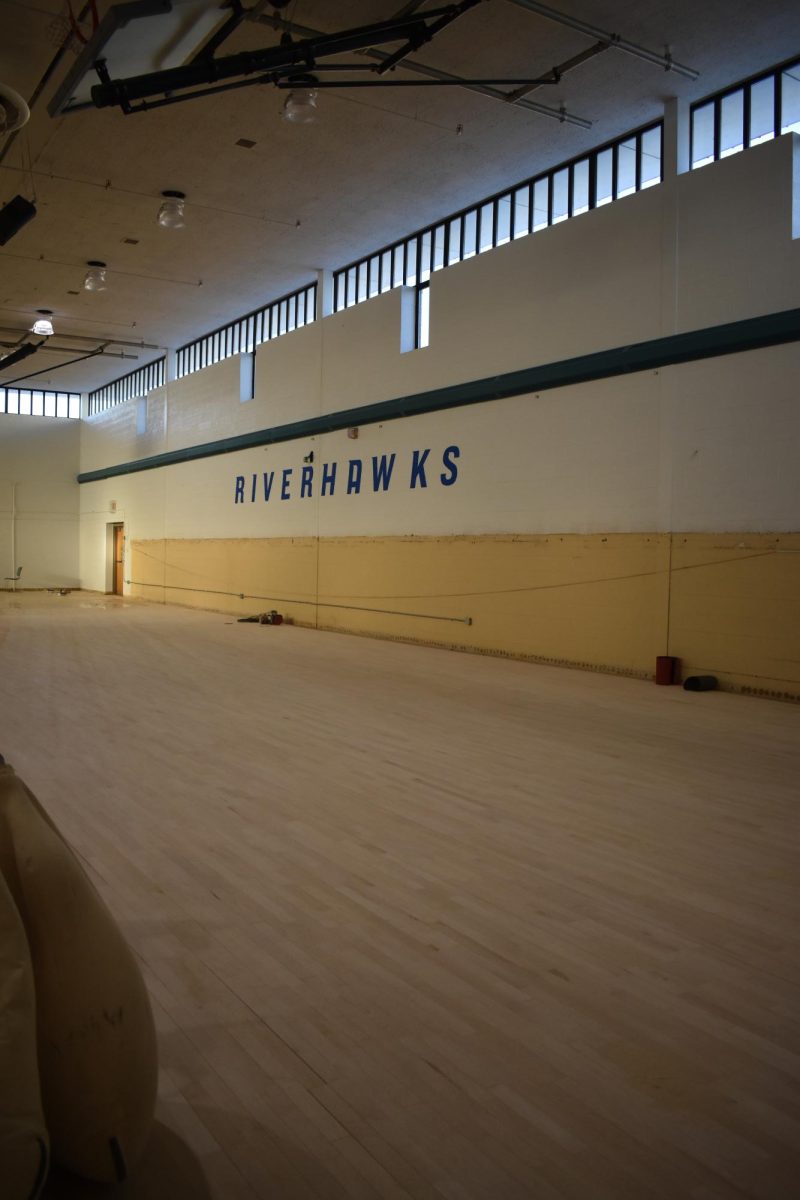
(245, 143)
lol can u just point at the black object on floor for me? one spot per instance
(700, 683)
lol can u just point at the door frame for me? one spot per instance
(111, 527)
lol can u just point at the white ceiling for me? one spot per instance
(376, 165)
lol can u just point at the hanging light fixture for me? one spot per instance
(300, 106)
(95, 278)
(43, 325)
(171, 214)
(14, 112)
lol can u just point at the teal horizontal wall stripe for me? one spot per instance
(753, 334)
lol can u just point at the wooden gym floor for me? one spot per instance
(422, 924)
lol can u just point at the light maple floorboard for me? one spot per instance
(419, 924)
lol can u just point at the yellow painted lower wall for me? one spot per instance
(725, 604)
(735, 609)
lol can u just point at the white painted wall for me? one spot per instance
(737, 251)
(39, 500)
(136, 501)
(699, 447)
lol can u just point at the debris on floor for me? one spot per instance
(268, 618)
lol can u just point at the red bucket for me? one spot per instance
(666, 669)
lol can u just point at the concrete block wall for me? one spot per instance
(39, 500)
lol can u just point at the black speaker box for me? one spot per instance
(13, 216)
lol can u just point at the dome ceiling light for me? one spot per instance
(95, 279)
(300, 106)
(14, 112)
(43, 325)
(171, 214)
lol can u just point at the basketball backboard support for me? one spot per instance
(135, 38)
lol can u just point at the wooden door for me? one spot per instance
(119, 541)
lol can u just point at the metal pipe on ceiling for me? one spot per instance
(279, 60)
(106, 339)
(288, 85)
(577, 60)
(415, 41)
(283, 59)
(557, 114)
(18, 354)
(69, 350)
(45, 370)
(613, 39)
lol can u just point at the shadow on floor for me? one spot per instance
(169, 1170)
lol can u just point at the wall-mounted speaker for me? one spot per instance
(13, 216)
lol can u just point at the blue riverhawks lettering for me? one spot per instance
(328, 478)
(356, 471)
(450, 473)
(382, 472)
(418, 468)
(354, 476)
